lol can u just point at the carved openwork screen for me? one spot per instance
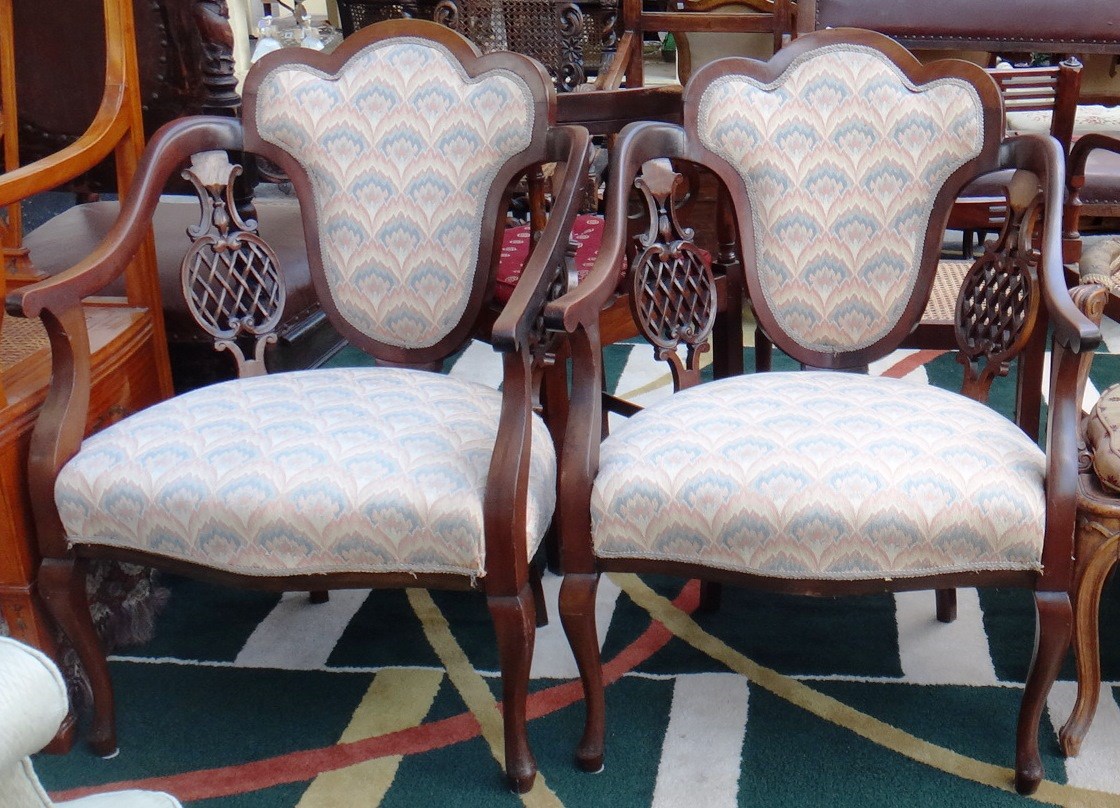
(401, 148)
(842, 157)
(566, 37)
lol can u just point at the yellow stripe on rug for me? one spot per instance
(396, 699)
(836, 712)
(473, 689)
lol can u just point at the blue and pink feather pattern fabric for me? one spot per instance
(360, 469)
(842, 157)
(401, 148)
(818, 475)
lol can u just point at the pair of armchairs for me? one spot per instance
(841, 157)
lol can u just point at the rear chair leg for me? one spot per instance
(577, 613)
(1054, 624)
(62, 585)
(946, 605)
(515, 624)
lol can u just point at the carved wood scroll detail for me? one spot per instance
(673, 292)
(998, 303)
(231, 277)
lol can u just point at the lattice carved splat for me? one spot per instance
(231, 277)
(997, 305)
(673, 293)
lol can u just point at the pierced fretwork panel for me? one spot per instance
(998, 302)
(231, 277)
(673, 292)
(551, 31)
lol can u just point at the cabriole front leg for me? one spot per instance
(577, 613)
(515, 624)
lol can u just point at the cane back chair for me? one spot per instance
(841, 156)
(402, 146)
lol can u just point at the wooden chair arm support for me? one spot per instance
(1068, 370)
(57, 301)
(637, 143)
(570, 147)
(109, 126)
(1042, 155)
(169, 148)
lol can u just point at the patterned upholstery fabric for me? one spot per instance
(1102, 434)
(842, 158)
(587, 233)
(1089, 118)
(823, 476)
(363, 469)
(401, 148)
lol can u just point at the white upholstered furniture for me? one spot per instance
(32, 705)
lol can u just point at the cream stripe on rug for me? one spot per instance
(934, 653)
(844, 715)
(473, 688)
(701, 756)
(1096, 766)
(298, 635)
(479, 363)
(397, 699)
(552, 656)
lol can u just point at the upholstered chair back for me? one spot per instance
(844, 159)
(405, 156)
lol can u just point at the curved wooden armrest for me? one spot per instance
(1042, 155)
(1084, 146)
(1068, 371)
(637, 143)
(95, 144)
(606, 112)
(170, 146)
(570, 146)
(109, 126)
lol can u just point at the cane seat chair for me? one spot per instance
(402, 146)
(841, 156)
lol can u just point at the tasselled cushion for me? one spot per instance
(357, 469)
(829, 476)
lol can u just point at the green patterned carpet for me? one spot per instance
(250, 699)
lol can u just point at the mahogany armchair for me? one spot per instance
(841, 156)
(402, 146)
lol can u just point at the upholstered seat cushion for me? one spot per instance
(824, 476)
(361, 469)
